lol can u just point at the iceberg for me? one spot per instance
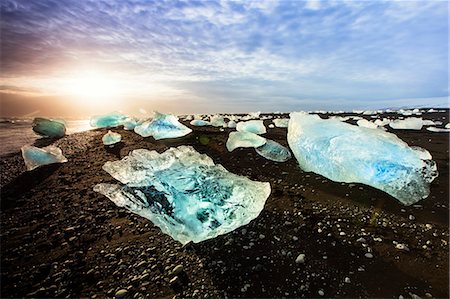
(109, 120)
(274, 151)
(217, 121)
(111, 138)
(410, 123)
(281, 122)
(184, 193)
(366, 124)
(231, 124)
(244, 139)
(49, 128)
(162, 126)
(434, 129)
(130, 123)
(351, 154)
(199, 123)
(35, 156)
(252, 126)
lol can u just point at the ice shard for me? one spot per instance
(111, 138)
(244, 139)
(162, 126)
(35, 156)
(348, 153)
(252, 126)
(49, 128)
(109, 120)
(199, 123)
(274, 151)
(184, 193)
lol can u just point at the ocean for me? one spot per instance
(17, 132)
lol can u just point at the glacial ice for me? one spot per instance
(410, 123)
(109, 120)
(274, 151)
(252, 126)
(111, 138)
(348, 153)
(184, 193)
(231, 124)
(199, 122)
(217, 121)
(130, 123)
(439, 130)
(162, 126)
(244, 139)
(281, 122)
(366, 124)
(49, 128)
(35, 156)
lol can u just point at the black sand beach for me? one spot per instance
(61, 239)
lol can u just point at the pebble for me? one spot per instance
(368, 255)
(121, 294)
(321, 293)
(403, 247)
(300, 258)
(347, 280)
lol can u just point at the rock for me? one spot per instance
(368, 255)
(122, 293)
(300, 258)
(177, 270)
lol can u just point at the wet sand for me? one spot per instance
(59, 238)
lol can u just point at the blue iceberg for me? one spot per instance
(199, 123)
(252, 126)
(274, 151)
(109, 120)
(35, 156)
(162, 126)
(111, 138)
(49, 128)
(347, 153)
(184, 193)
(244, 139)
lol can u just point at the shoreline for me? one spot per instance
(70, 241)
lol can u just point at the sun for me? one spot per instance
(91, 87)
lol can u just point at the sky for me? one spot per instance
(82, 57)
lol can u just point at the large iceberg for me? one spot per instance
(109, 120)
(274, 151)
(162, 126)
(348, 153)
(35, 156)
(49, 128)
(111, 138)
(184, 193)
(252, 126)
(244, 139)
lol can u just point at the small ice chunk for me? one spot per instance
(410, 123)
(130, 123)
(111, 138)
(439, 130)
(244, 139)
(109, 120)
(382, 123)
(271, 126)
(231, 124)
(49, 128)
(274, 151)
(252, 126)
(281, 122)
(366, 124)
(447, 126)
(35, 157)
(300, 258)
(427, 122)
(162, 126)
(199, 123)
(217, 121)
(184, 193)
(346, 153)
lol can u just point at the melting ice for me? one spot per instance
(111, 138)
(184, 193)
(162, 126)
(49, 128)
(35, 157)
(244, 139)
(252, 126)
(274, 151)
(109, 120)
(347, 153)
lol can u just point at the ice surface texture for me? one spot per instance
(162, 126)
(244, 139)
(347, 153)
(35, 157)
(184, 193)
(109, 120)
(49, 128)
(274, 151)
(252, 126)
(111, 138)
